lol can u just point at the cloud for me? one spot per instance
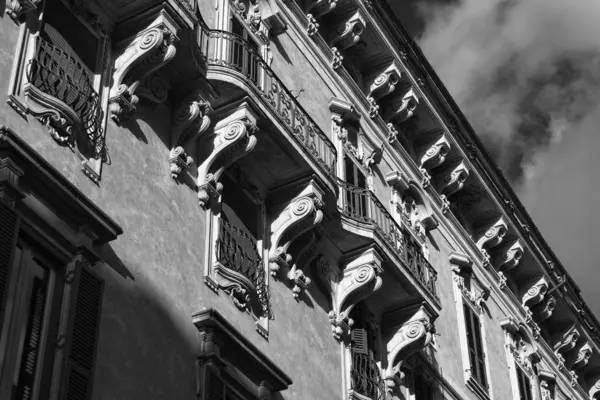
(525, 72)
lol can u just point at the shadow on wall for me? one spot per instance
(147, 343)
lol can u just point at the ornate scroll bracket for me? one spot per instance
(348, 33)
(373, 159)
(140, 56)
(494, 234)
(318, 8)
(189, 122)
(362, 277)
(544, 310)
(511, 258)
(455, 180)
(583, 356)
(383, 85)
(547, 384)
(296, 275)
(413, 336)
(16, 9)
(536, 293)
(567, 342)
(436, 154)
(299, 216)
(403, 107)
(234, 138)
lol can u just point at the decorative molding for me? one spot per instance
(337, 58)
(16, 9)
(595, 391)
(374, 158)
(511, 258)
(567, 342)
(544, 310)
(494, 234)
(455, 180)
(140, 56)
(402, 108)
(301, 214)
(296, 275)
(547, 381)
(179, 161)
(233, 139)
(583, 356)
(414, 335)
(318, 8)
(348, 33)
(361, 278)
(436, 154)
(536, 293)
(383, 85)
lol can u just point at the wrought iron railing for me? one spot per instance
(57, 73)
(228, 50)
(363, 206)
(366, 377)
(237, 251)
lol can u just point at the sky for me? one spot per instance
(526, 73)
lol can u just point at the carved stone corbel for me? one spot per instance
(494, 234)
(567, 342)
(296, 275)
(462, 267)
(595, 391)
(189, 122)
(413, 336)
(233, 139)
(544, 310)
(362, 277)
(436, 154)
(455, 180)
(16, 9)
(373, 159)
(547, 384)
(318, 8)
(140, 56)
(301, 214)
(383, 85)
(583, 356)
(536, 293)
(348, 33)
(402, 108)
(511, 258)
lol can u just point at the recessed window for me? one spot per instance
(475, 346)
(524, 385)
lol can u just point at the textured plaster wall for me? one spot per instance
(154, 270)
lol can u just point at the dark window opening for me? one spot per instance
(524, 385)
(475, 344)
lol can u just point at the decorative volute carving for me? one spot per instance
(300, 215)
(583, 356)
(16, 9)
(595, 391)
(348, 33)
(494, 234)
(523, 349)
(374, 158)
(455, 180)
(137, 59)
(436, 154)
(296, 275)
(413, 336)
(361, 278)
(511, 258)
(536, 293)
(567, 342)
(233, 139)
(189, 122)
(402, 108)
(318, 8)
(383, 85)
(544, 310)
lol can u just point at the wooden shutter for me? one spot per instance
(33, 340)
(359, 341)
(86, 307)
(9, 221)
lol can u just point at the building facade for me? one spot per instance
(261, 199)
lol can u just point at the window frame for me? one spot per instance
(26, 50)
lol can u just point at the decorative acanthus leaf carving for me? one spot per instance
(296, 275)
(318, 8)
(583, 356)
(511, 258)
(383, 85)
(494, 234)
(361, 278)
(231, 142)
(16, 9)
(140, 57)
(402, 108)
(348, 33)
(337, 58)
(436, 154)
(595, 391)
(455, 180)
(300, 215)
(413, 336)
(189, 122)
(567, 342)
(536, 293)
